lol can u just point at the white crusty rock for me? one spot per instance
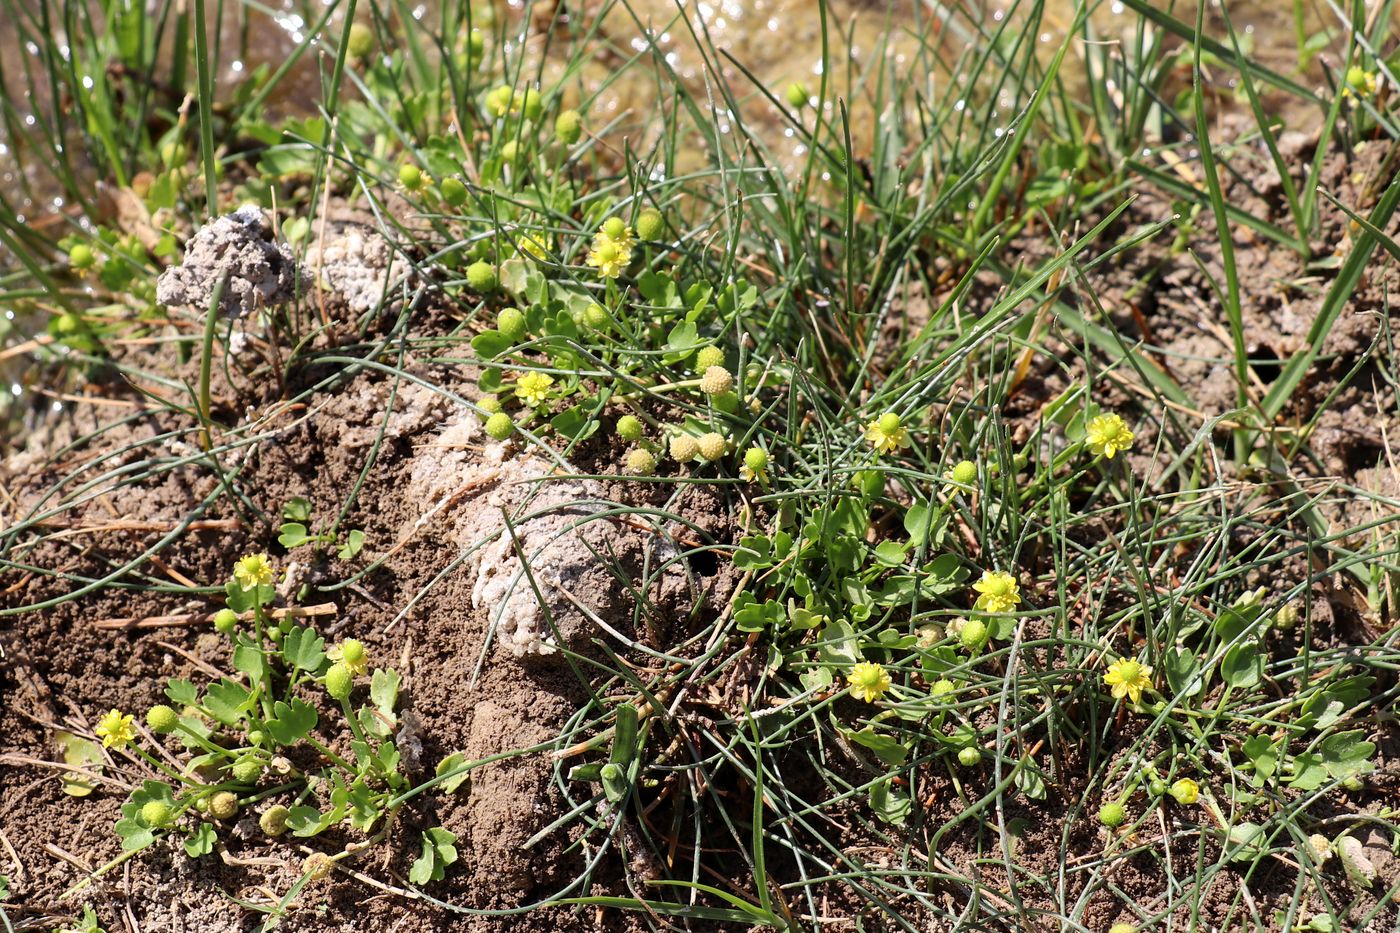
(261, 272)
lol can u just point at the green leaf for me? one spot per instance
(491, 343)
(574, 424)
(1263, 755)
(889, 554)
(249, 660)
(888, 750)
(1243, 666)
(305, 822)
(889, 804)
(303, 648)
(354, 543)
(1182, 670)
(438, 853)
(1346, 754)
(918, 521)
(227, 701)
(1030, 780)
(182, 693)
(449, 764)
(294, 534)
(1308, 772)
(1325, 707)
(291, 721)
(201, 841)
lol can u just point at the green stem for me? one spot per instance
(206, 361)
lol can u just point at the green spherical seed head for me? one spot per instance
(410, 176)
(797, 94)
(489, 404)
(498, 100)
(453, 192)
(499, 426)
(725, 401)
(942, 687)
(247, 770)
(974, 634)
(614, 228)
(1157, 787)
(890, 422)
(338, 681)
(225, 621)
(650, 224)
(274, 820)
(352, 650)
(684, 448)
(629, 428)
(361, 40)
(476, 43)
(223, 805)
(707, 357)
(481, 277)
(162, 719)
(509, 150)
(716, 380)
(756, 459)
(67, 323)
(1353, 783)
(965, 472)
(511, 322)
(641, 462)
(532, 104)
(969, 756)
(1112, 815)
(712, 445)
(596, 317)
(81, 256)
(156, 813)
(256, 738)
(568, 127)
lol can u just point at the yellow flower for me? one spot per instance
(887, 433)
(1107, 435)
(997, 592)
(609, 258)
(533, 388)
(1185, 791)
(868, 681)
(115, 730)
(1128, 678)
(253, 571)
(1360, 82)
(534, 245)
(616, 232)
(351, 652)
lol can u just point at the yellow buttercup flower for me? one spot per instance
(609, 258)
(868, 681)
(351, 652)
(534, 245)
(887, 433)
(533, 388)
(997, 592)
(115, 730)
(616, 232)
(1107, 435)
(253, 571)
(1128, 678)
(1185, 791)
